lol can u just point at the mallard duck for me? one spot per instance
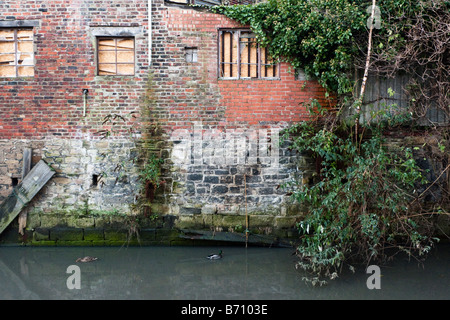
(214, 256)
(86, 259)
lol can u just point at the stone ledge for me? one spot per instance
(66, 234)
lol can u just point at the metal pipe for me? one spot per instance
(85, 93)
(149, 32)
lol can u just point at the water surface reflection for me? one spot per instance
(185, 273)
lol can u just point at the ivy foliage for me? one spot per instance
(364, 197)
(361, 203)
(321, 37)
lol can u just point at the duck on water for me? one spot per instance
(86, 259)
(215, 256)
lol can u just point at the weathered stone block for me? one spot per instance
(43, 243)
(226, 179)
(189, 211)
(252, 179)
(102, 221)
(211, 179)
(285, 222)
(81, 222)
(52, 220)
(41, 234)
(147, 234)
(209, 209)
(265, 191)
(33, 220)
(67, 234)
(159, 208)
(233, 221)
(73, 243)
(93, 234)
(190, 222)
(261, 221)
(219, 190)
(195, 177)
(116, 235)
(166, 235)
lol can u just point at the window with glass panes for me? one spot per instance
(240, 56)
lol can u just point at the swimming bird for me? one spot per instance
(86, 259)
(214, 256)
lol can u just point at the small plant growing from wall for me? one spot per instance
(145, 157)
(150, 178)
(362, 202)
(365, 199)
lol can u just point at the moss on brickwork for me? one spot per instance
(93, 234)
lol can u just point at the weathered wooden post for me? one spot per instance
(24, 192)
(26, 167)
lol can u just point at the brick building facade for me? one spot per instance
(216, 130)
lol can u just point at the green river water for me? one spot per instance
(184, 273)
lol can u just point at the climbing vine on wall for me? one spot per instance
(365, 197)
(316, 36)
(327, 39)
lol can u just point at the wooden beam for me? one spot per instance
(26, 167)
(237, 237)
(24, 192)
(26, 162)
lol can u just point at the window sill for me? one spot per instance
(250, 79)
(17, 78)
(114, 77)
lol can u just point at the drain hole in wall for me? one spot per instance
(14, 181)
(95, 180)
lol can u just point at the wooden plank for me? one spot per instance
(24, 192)
(26, 167)
(25, 34)
(26, 71)
(125, 57)
(256, 239)
(6, 34)
(7, 47)
(227, 58)
(126, 43)
(7, 71)
(125, 69)
(106, 57)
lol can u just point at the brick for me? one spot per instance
(219, 189)
(46, 110)
(195, 177)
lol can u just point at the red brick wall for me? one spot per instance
(45, 112)
(197, 94)
(262, 101)
(51, 103)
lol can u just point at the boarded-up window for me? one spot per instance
(191, 54)
(240, 56)
(16, 52)
(115, 56)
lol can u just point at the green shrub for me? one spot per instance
(361, 203)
